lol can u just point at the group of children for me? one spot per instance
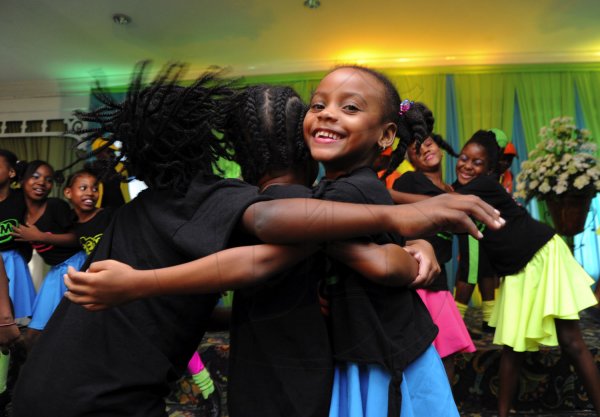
(352, 320)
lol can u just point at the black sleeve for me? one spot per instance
(406, 183)
(218, 217)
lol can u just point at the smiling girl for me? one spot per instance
(427, 180)
(82, 192)
(543, 289)
(381, 336)
(47, 226)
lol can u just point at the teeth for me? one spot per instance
(327, 134)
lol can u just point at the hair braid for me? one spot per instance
(439, 140)
(167, 130)
(266, 130)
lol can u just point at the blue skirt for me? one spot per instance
(20, 285)
(52, 291)
(362, 390)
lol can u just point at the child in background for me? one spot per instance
(543, 288)
(474, 267)
(47, 227)
(81, 189)
(119, 361)
(453, 336)
(14, 254)
(381, 337)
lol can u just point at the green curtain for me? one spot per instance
(484, 101)
(58, 151)
(588, 88)
(426, 88)
(543, 96)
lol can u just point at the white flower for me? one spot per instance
(581, 181)
(560, 188)
(545, 187)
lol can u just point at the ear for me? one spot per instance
(67, 193)
(12, 173)
(388, 135)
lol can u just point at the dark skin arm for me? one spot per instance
(306, 220)
(387, 264)
(108, 283)
(9, 332)
(406, 198)
(30, 233)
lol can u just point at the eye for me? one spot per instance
(351, 108)
(317, 106)
(462, 158)
(36, 176)
(95, 189)
(82, 188)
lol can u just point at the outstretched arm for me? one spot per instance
(307, 220)
(400, 197)
(387, 264)
(108, 283)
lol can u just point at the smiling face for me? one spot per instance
(344, 127)
(472, 162)
(83, 193)
(39, 184)
(428, 159)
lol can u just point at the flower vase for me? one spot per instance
(569, 212)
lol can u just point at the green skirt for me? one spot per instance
(551, 286)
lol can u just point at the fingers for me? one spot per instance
(102, 265)
(85, 301)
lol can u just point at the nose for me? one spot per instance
(327, 113)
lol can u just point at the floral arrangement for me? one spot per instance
(564, 161)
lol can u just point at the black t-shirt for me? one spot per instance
(280, 362)
(370, 323)
(57, 219)
(418, 183)
(510, 248)
(119, 361)
(12, 213)
(90, 232)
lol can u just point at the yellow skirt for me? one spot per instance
(551, 286)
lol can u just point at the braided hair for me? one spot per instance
(167, 130)
(265, 127)
(413, 125)
(487, 140)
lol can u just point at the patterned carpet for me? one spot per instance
(548, 386)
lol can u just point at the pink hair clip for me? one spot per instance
(405, 106)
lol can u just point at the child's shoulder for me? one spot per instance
(360, 186)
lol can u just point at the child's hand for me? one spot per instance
(27, 233)
(105, 284)
(448, 212)
(429, 268)
(9, 335)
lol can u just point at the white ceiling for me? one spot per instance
(50, 46)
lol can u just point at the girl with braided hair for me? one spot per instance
(280, 361)
(453, 336)
(120, 360)
(381, 336)
(543, 288)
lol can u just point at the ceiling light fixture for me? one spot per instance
(121, 19)
(312, 4)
